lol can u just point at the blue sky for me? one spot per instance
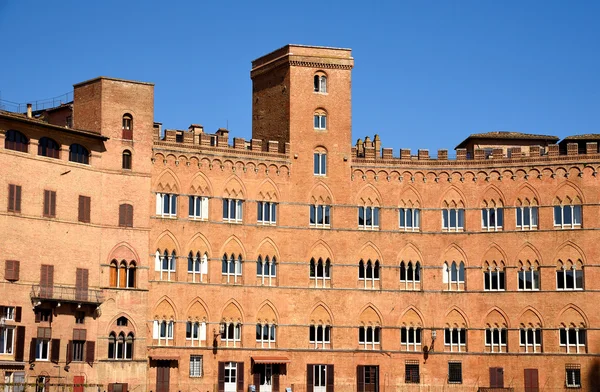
(427, 73)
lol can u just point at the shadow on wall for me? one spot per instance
(594, 376)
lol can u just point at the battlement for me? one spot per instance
(195, 136)
(371, 150)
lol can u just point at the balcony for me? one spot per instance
(71, 294)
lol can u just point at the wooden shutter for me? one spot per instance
(84, 209)
(53, 203)
(129, 209)
(276, 382)
(221, 376)
(110, 387)
(38, 316)
(32, 346)
(309, 377)
(329, 378)
(69, 352)
(90, 349)
(256, 379)
(49, 203)
(531, 380)
(81, 284)
(46, 203)
(20, 344)
(55, 351)
(123, 387)
(11, 270)
(18, 198)
(18, 314)
(122, 214)
(360, 378)
(496, 377)
(14, 198)
(240, 377)
(47, 280)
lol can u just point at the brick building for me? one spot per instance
(295, 259)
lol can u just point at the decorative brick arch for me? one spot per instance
(492, 197)
(571, 316)
(233, 245)
(267, 247)
(410, 252)
(527, 195)
(167, 182)
(234, 188)
(531, 318)
(320, 249)
(321, 315)
(568, 191)
(267, 313)
(528, 252)
(123, 251)
(200, 185)
(369, 196)
(232, 312)
(496, 318)
(320, 194)
(112, 324)
(454, 253)
(453, 197)
(494, 255)
(268, 191)
(370, 251)
(411, 317)
(199, 243)
(197, 311)
(456, 318)
(370, 316)
(165, 309)
(410, 198)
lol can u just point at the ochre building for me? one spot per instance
(138, 258)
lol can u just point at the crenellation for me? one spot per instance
(442, 155)
(273, 146)
(239, 143)
(461, 154)
(256, 145)
(479, 154)
(591, 148)
(423, 154)
(405, 154)
(388, 153)
(572, 149)
(553, 150)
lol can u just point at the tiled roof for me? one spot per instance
(585, 136)
(508, 135)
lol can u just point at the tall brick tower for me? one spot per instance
(302, 95)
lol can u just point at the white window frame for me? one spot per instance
(453, 283)
(234, 267)
(570, 378)
(323, 339)
(497, 213)
(196, 365)
(268, 264)
(321, 86)
(7, 340)
(197, 332)
(498, 344)
(320, 164)
(524, 213)
(533, 273)
(459, 219)
(198, 207)
(368, 213)
(535, 345)
(231, 374)
(325, 211)
(319, 377)
(163, 331)
(271, 335)
(414, 267)
(231, 341)
(375, 342)
(460, 345)
(564, 269)
(494, 274)
(8, 313)
(576, 213)
(168, 266)
(42, 349)
(326, 272)
(413, 338)
(409, 219)
(233, 210)
(375, 266)
(199, 266)
(266, 213)
(320, 121)
(578, 345)
(166, 205)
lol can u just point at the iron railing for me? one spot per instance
(67, 294)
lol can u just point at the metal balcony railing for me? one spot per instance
(67, 294)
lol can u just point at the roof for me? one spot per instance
(36, 121)
(585, 136)
(507, 135)
(109, 78)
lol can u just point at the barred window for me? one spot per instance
(455, 372)
(196, 366)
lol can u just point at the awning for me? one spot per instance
(12, 365)
(271, 359)
(164, 357)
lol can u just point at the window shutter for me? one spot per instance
(32, 346)
(122, 215)
(158, 204)
(203, 331)
(46, 203)
(493, 381)
(221, 376)
(276, 381)
(157, 261)
(18, 313)
(124, 387)
(205, 208)
(129, 209)
(69, 352)
(110, 387)
(240, 377)
(16, 269)
(55, 352)
(329, 378)
(256, 379)
(11, 270)
(360, 378)
(81, 216)
(155, 330)
(11, 197)
(309, 377)
(37, 316)
(90, 349)
(204, 265)
(20, 342)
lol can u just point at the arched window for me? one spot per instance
(265, 334)
(168, 266)
(527, 214)
(493, 276)
(320, 335)
(48, 148)
(197, 267)
(195, 333)
(126, 160)
(529, 276)
(232, 267)
(320, 162)
(15, 140)
(127, 126)
(369, 337)
(78, 153)
(320, 83)
(129, 346)
(114, 273)
(368, 272)
(131, 271)
(453, 275)
(162, 331)
(569, 275)
(112, 342)
(567, 213)
(410, 275)
(266, 269)
(120, 346)
(232, 333)
(320, 271)
(410, 338)
(320, 119)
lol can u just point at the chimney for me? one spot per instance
(29, 114)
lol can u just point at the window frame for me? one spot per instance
(80, 155)
(320, 83)
(579, 333)
(450, 213)
(325, 269)
(412, 224)
(126, 160)
(266, 339)
(235, 330)
(411, 338)
(492, 213)
(166, 205)
(527, 212)
(19, 141)
(320, 120)
(268, 264)
(266, 212)
(319, 210)
(323, 339)
(7, 340)
(576, 211)
(494, 275)
(199, 266)
(451, 373)
(198, 207)
(42, 349)
(232, 266)
(372, 342)
(460, 344)
(165, 331)
(415, 271)
(320, 163)
(196, 366)
(535, 343)
(233, 210)
(562, 270)
(374, 268)
(501, 343)
(369, 216)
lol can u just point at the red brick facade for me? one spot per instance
(439, 274)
